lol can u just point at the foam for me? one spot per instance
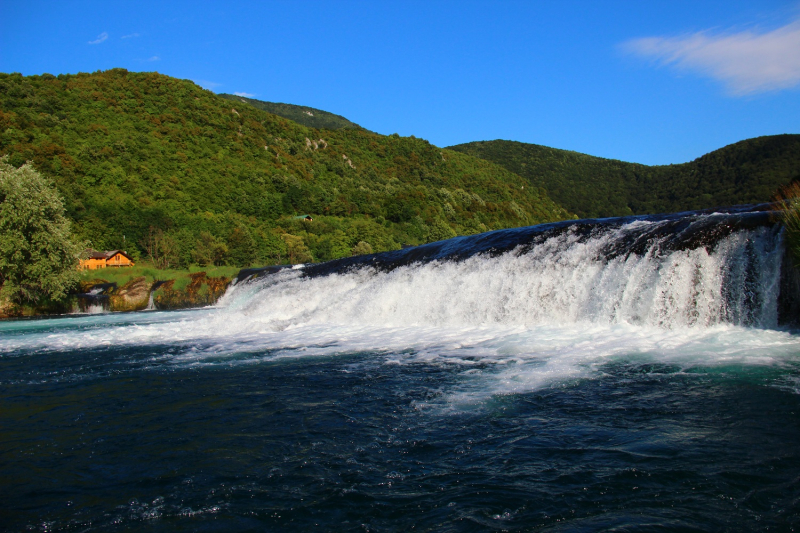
(563, 281)
(520, 321)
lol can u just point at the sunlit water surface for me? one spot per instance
(549, 390)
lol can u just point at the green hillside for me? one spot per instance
(749, 171)
(307, 116)
(158, 166)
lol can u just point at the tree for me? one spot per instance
(361, 248)
(38, 257)
(161, 248)
(209, 250)
(242, 248)
(440, 231)
(296, 249)
(788, 202)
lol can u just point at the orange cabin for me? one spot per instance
(113, 258)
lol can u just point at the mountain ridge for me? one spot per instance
(165, 169)
(748, 171)
(303, 115)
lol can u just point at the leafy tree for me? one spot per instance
(788, 201)
(242, 248)
(298, 252)
(161, 248)
(440, 231)
(209, 250)
(362, 248)
(38, 257)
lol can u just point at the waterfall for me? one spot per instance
(697, 269)
(150, 304)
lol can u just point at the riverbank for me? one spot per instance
(134, 289)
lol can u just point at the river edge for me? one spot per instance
(136, 294)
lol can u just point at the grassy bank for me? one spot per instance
(182, 278)
(193, 287)
(137, 288)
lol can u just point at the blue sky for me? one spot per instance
(647, 82)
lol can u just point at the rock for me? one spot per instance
(201, 291)
(133, 296)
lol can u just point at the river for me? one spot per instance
(624, 374)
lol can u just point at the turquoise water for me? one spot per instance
(553, 389)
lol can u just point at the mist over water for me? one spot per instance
(612, 339)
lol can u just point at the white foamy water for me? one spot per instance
(515, 323)
(562, 281)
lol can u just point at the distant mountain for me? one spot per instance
(748, 171)
(159, 166)
(307, 116)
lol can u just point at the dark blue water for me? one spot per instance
(341, 444)
(362, 402)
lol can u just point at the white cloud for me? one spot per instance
(246, 95)
(154, 58)
(130, 36)
(746, 62)
(100, 38)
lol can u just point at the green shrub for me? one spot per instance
(788, 202)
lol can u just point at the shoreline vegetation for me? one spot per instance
(133, 289)
(787, 201)
(145, 286)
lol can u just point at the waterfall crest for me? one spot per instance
(695, 269)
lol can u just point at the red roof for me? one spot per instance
(94, 254)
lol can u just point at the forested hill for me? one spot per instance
(307, 116)
(156, 165)
(749, 171)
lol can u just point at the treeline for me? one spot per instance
(307, 116)
(164, 169)
(746, 172)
